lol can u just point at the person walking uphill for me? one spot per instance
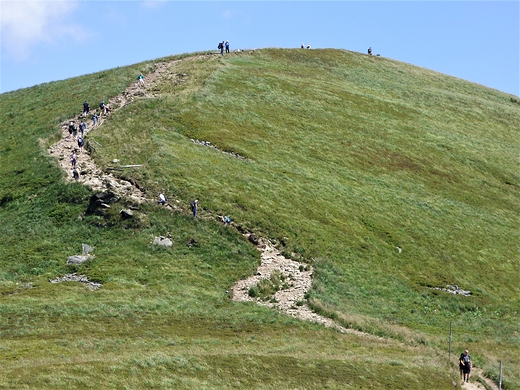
(227, 46)
(194, 207)
(465, 365)
(86, 108)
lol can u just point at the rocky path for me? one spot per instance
(290, 300)
(89, 173)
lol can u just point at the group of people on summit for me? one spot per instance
(223, 45)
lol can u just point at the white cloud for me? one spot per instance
(25, 23)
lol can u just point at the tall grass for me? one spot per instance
(348, 158)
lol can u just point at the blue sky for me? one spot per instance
(43, 41)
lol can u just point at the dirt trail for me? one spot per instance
(298, 276)
(290, 300)
(89, 173)
(474, 385)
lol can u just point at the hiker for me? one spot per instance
(82, 128)
(227, 46)
(94, 119)
(302, 46)
(162, 199)
(73, 159)
(194, 207)
(80, 144)
(103, 108)
(308, 46)
(72, 128)
(75, 174)
(140, 79)
(221, 47)
(86, 108)
(465, 365)
(370, 51)
(107, 109)
(225, 220)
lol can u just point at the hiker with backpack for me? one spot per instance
(221, 47)
(94, 119)
(104, 108)
(465, 366)
(140, 80)
(370, 51)
(86, 108)
(80, 144)
(72, 129)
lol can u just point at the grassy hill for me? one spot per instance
(347, 158)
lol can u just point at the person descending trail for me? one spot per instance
(140, 80)
(465, 363)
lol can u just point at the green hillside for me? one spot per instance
(391, 180)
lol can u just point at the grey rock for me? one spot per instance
(78, 259)
(253, 238)
(163, 241)
(126, 214)
(86, 249)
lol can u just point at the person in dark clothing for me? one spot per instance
(370, 51)
(86, 108)
(82, 128)
(72, 129)
(465, 364)
(227, 46)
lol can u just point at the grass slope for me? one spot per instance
(348, 157)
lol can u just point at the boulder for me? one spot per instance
(126, 214)
(86, 249)
(163, 241)
(78, 259)
(253, 238)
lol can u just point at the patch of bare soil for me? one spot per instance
(291, 300)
